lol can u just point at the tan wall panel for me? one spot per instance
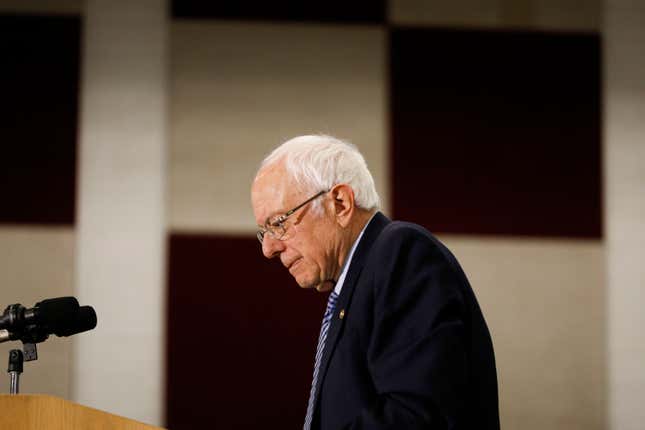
(544, 302)
(624, 145)
(574, 15)
(445, 12)
(121, 223)
(50, 7)
(240, 89)
(38, 263)
(567, 15)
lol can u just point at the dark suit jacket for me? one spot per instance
(408, 347)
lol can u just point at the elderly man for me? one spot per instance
(403, 343)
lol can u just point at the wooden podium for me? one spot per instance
(38, 411)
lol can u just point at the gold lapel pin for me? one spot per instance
(342, 314)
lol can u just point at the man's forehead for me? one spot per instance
(270, 192)
(271, 181)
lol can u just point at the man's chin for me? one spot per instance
(321, 287)
(325, 287)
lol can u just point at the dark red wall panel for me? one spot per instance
(241, 337)
(496, 132)
(39, 80)
(335, 11)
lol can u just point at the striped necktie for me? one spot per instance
(329, 312)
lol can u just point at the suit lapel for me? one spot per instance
(376, 224)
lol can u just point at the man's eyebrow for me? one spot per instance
(274, 213)
(266, 221)
(278, 213)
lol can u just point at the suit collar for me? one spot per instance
(341, 279)
(372, 231)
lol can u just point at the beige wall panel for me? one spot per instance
(567, 15)
(624, 145)
(50, 7)
(121, 223)
(469, 13)
(544, 302)
(240, 89)
(37, 263)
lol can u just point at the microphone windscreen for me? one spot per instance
(57, 313)
(85, 320)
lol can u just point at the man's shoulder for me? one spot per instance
(405, 228)
(406, 237)
(403, 232)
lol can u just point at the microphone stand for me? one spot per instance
(15, 369)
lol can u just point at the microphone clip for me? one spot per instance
(16, 358)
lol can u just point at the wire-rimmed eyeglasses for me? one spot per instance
(275, 225)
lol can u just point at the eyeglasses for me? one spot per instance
(275, 225)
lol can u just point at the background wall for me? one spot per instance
(277, 81)
(480, 120)
(625, 186)
(121, 206)
(38, 176)
(37, 262)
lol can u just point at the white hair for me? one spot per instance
(318, 162)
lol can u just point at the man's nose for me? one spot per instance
(271, 247)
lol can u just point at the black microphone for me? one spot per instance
(85, 320)
(53, 315)
(50, 315)
(61, 316)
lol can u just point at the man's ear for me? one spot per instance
(342, 197)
